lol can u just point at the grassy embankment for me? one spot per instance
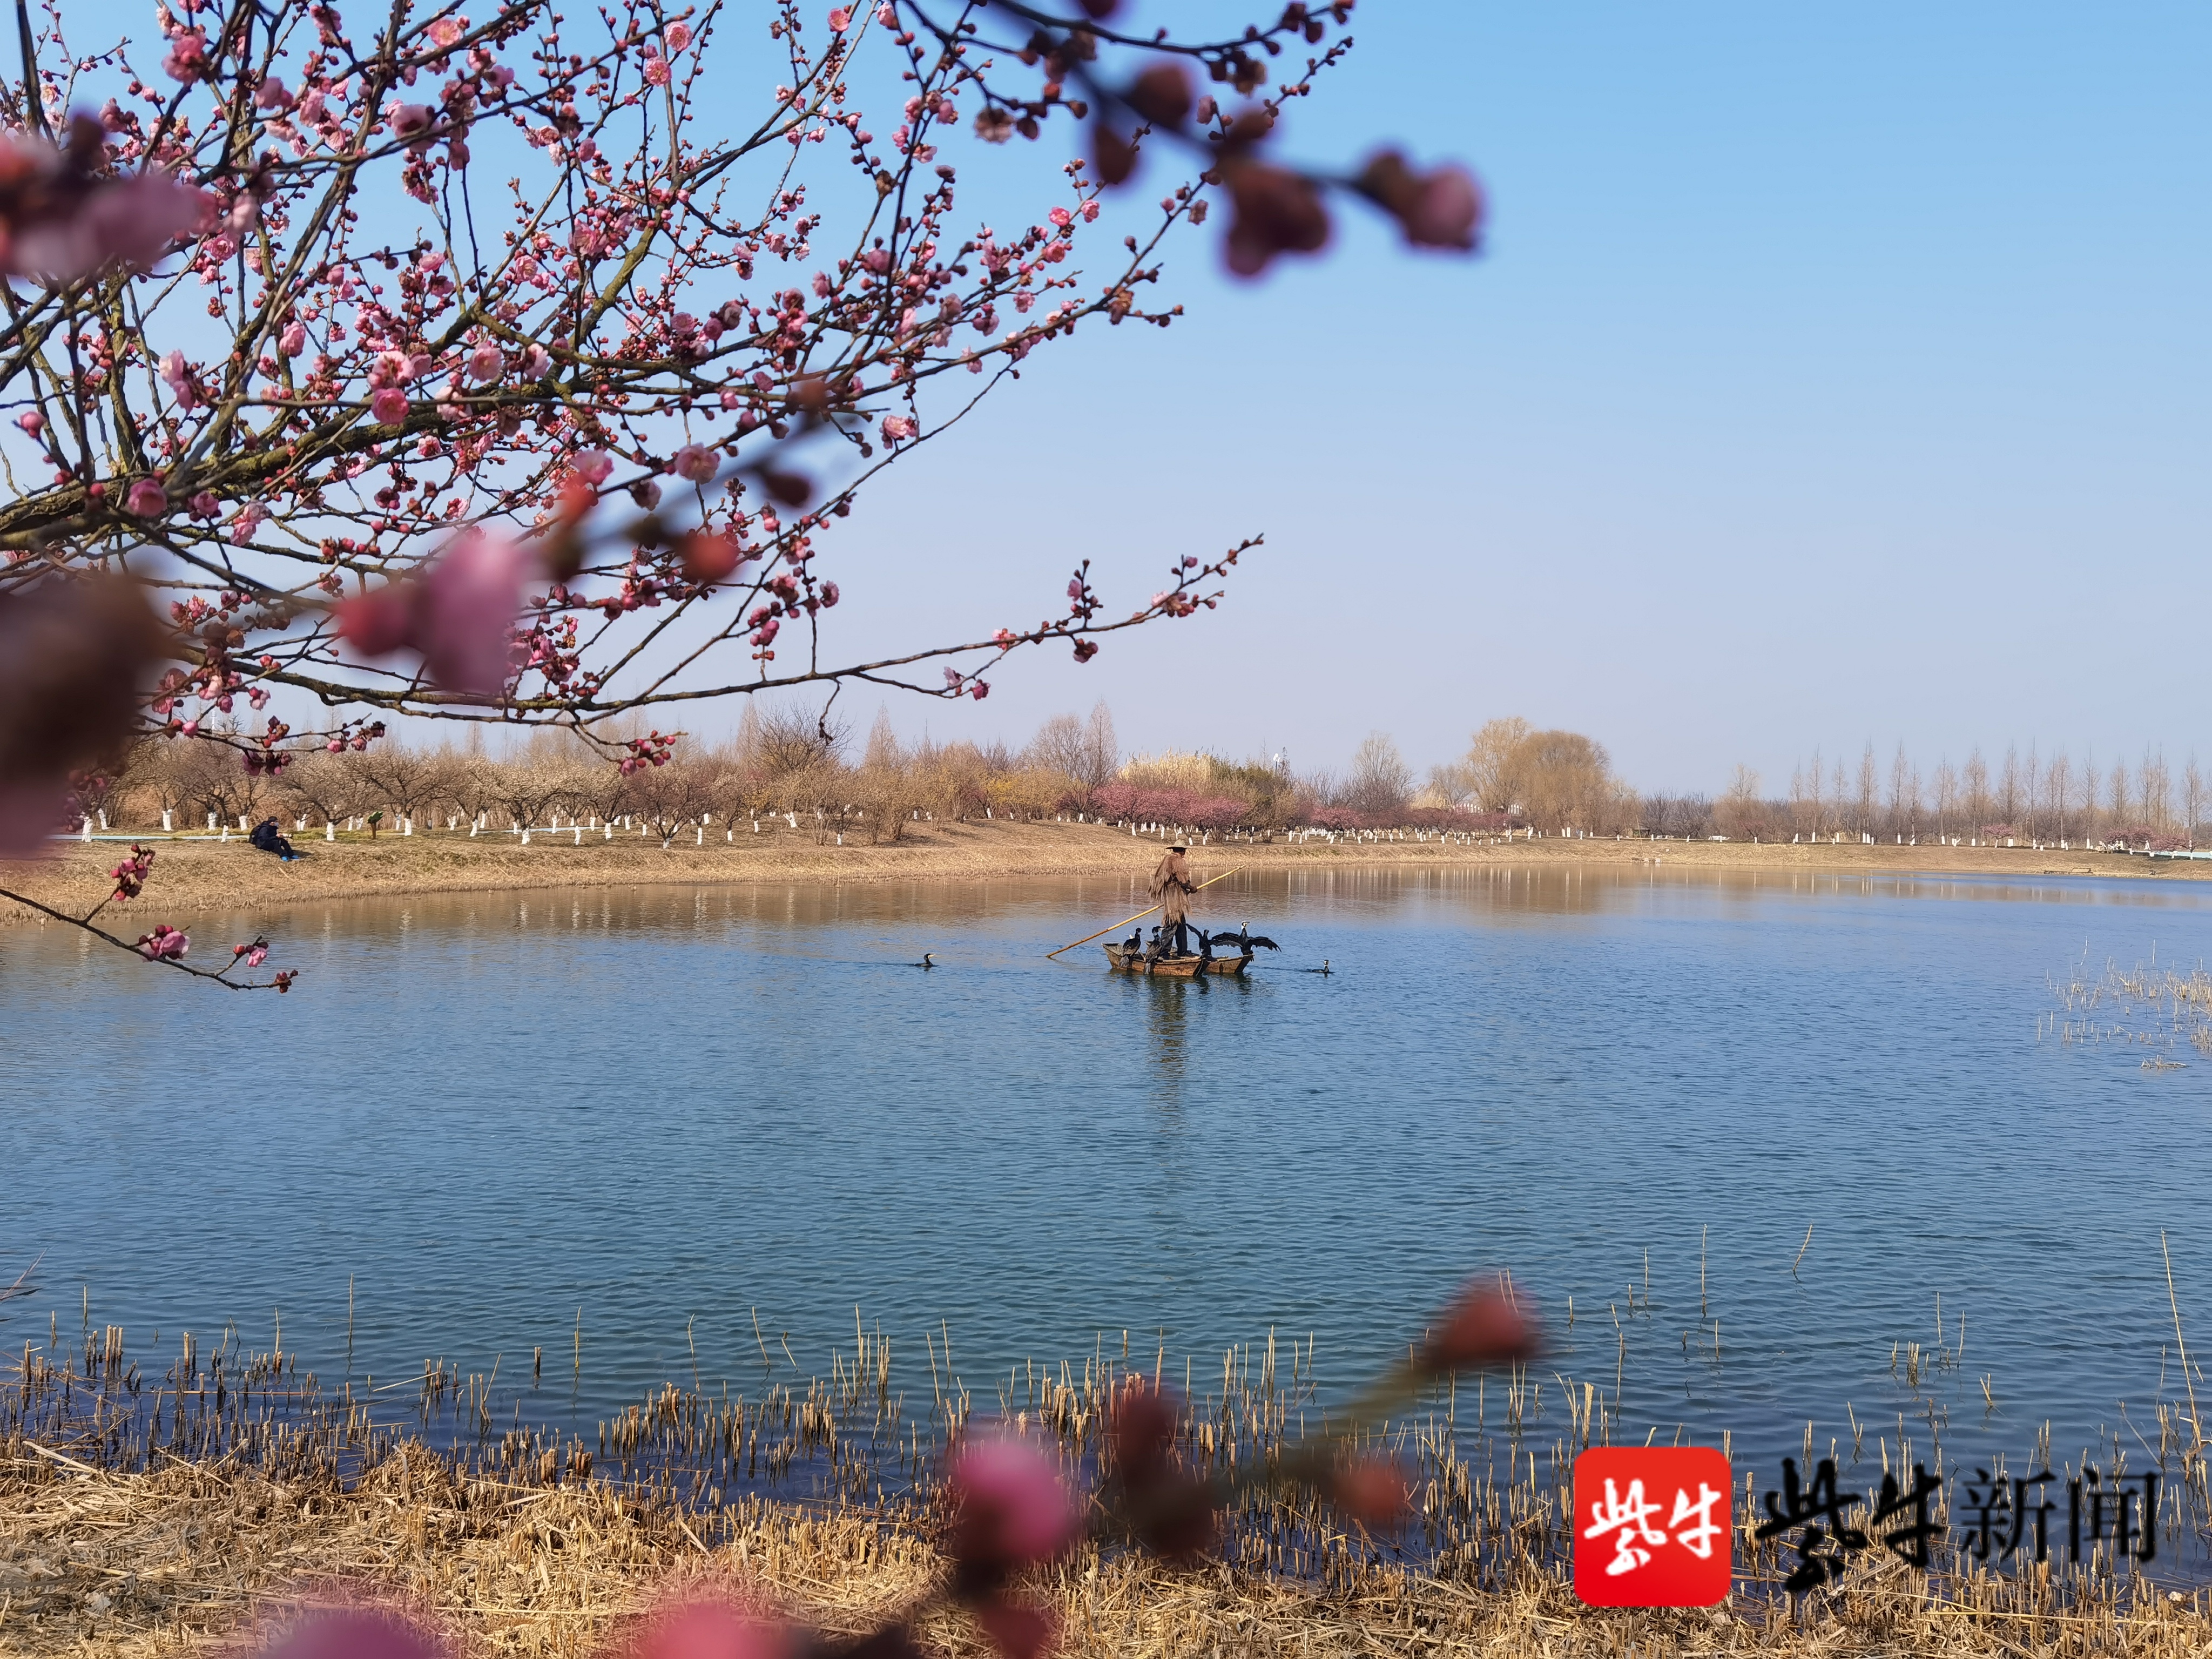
(183, 1560)
(146, 1515)
(199, 874)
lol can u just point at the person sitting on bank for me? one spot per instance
(1172, 888)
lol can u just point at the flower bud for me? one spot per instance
(1485, 1327)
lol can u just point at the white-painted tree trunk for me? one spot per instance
(168, 828)
(330, 830)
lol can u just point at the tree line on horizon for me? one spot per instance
(790, 762)
(2029, 798)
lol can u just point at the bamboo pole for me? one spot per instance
(1116, 927)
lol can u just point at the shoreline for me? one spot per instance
(199, 873)
(201, 1557)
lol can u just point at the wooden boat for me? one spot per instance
(1134, 961)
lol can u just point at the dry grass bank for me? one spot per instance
(187, 1558)
(200, 874)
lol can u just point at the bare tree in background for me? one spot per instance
(2008, 791)
(1448, 784)
(1805, 796)
(1740, 811)
(403, 778)
(1869, 790)
(1102, 751)
(1488, 767)
(322, 785)
(1974, 789)
(1567, 782)
(1947, 797)
(1085, 751)
(1381, 781)
(668, 799)
(2058, 790)
(2155, 789)
(2192, 799)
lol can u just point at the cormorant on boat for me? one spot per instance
(1134, 944)
(1247, 941)
(270, 839)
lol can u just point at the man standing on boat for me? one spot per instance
(1172, 887)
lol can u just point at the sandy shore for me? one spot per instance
(199, 874)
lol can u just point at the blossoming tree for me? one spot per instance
(493, 368)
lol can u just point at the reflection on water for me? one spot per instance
(658, 1114)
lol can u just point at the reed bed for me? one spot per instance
(144, 1514)
(2147, 1006)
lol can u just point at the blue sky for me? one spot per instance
(1834, 373)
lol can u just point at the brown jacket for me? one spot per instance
(1171, 886)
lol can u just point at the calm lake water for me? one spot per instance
(663, 1112)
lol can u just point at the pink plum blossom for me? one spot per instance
(459, 614)
(164, 944)
(132, 221)
(389, 406)
(592, 465)
(707, 1630)
(897, 427)
(1013, 1507)
(147, 499)
(176, 375)
(294, 340)
(656, 71)
(1447, 210)
(694, 462)
(187, 58)
(354, 1632)
(678, 35)
(486, 362)
(839, 21)
(410, 122)
(465, 611)
(31, 422)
